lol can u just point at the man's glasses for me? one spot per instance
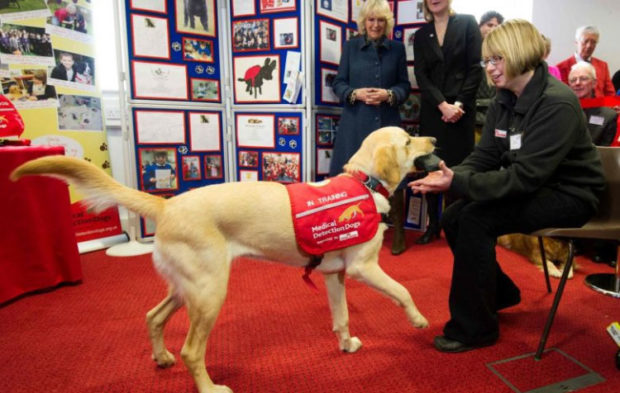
(493, 60)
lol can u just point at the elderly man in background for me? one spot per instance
(586, 39)
(602, 121)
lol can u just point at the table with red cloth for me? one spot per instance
(38, 249)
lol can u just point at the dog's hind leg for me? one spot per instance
(336, 294)
(372, 275)
(203, 306)
(156, 320)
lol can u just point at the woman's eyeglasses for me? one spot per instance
(493, 60)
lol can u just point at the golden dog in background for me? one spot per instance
(201, 231)
(556, 251)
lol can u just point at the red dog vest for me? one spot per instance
(333, 214)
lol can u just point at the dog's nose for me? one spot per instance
(433, 140)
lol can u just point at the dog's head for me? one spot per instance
(388, 154)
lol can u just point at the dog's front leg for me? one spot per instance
(372, 274)
(340, 313)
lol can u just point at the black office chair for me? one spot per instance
(605, 225)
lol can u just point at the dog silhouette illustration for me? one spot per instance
(255, 75)
(350, 213)
(193, 8)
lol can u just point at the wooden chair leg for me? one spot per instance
(556, 301)
(544, 263)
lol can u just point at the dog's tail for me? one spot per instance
(101, 190)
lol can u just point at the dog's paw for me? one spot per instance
(220, 389)
(351, 345)
(165, 360)
(420, 321)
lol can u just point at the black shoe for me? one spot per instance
(428, 236)
(445, 344)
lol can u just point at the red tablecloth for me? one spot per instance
(38, 249)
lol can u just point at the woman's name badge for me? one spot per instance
(597, 120)
(515, 141)
(500, 133)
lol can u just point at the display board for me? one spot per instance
(266, 47)
(173, 50)
(47, 69)
(177, 150)
(269, 146)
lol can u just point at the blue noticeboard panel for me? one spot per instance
(173, 52)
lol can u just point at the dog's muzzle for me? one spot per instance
(428, 162)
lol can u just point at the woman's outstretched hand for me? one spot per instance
(435, 181)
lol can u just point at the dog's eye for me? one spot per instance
(408, 142)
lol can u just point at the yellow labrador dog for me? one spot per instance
(201, 231)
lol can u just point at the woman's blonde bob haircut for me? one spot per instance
(378, 9)
(428, 16)
(519, 43)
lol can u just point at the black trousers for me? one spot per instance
(479, 286)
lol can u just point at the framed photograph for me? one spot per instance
(412, 78)
(158, 169)
(335, 9)
(149, 5)
(267, 6)
(281, 167)
(248, 159)
(28, 89)
(191, 168)
(197, 50)
(408, 36)
(351, 33)
(327, 79)
(159, 127)
(70, 20)
(20, 10)
(356, 7)
(213, 167)
(410, 11)
(330, 42)
(255, 130)
(149, 35)
(288, 125)
(323, 160)
(326, 129)
(410, 109)
(196, 17)
(81, 113)
(165, 81)
(257, 79)
(73, 70)
(205, 89)
(245, 175)
(285, 33)
(250, 35)
(243, 8)
(204, 131)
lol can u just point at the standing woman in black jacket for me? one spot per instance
(447, 68)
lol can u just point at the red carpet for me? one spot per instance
(274, 333)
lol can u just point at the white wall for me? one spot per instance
(558, 19)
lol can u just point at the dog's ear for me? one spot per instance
(385, 164)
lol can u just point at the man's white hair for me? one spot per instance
(584, 65)
(586, 30)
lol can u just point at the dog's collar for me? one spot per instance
(371, 182)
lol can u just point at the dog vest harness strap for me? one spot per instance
(371, 182)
